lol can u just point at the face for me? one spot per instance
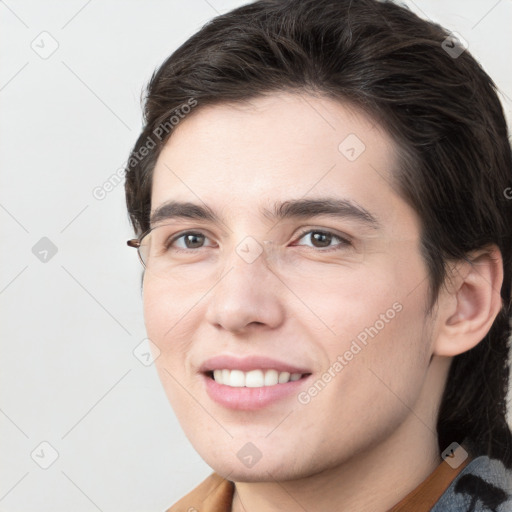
(294, 314)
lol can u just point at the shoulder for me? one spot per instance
(483, 485)
(214, 494)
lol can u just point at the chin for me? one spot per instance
(234, 464)
(258, 473)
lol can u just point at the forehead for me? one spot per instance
(238, 158)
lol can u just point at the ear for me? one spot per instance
(469, 302)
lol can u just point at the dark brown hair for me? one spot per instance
(437, 103)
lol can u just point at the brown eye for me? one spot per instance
(322, 239)
(192, 241)
(188, 240)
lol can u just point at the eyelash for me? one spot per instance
(344, 242)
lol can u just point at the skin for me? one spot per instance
(368, 438)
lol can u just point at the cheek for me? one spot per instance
(352, 300)
(372, 380)
(377, 331)
(169, 320)
(170, 323)
(383, 347)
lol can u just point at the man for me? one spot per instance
(320, 198)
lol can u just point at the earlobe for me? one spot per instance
(470, 304)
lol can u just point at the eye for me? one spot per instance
(322, 239)
(188, 240)
(319, 239)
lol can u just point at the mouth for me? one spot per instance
(253, 379)
(251, 383)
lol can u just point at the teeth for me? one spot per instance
(284, 377)
(237, 379)
(254, 378)
(271, 377)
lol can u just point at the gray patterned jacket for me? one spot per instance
(484, 485)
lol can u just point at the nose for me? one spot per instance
(248, 296)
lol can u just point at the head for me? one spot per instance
(271, 118)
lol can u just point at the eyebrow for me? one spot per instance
(292, 209)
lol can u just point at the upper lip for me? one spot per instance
(248, 363)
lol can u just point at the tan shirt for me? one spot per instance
(215, 494)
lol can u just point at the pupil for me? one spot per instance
(195, 241)
(323, 238)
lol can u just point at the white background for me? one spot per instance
(69, 326)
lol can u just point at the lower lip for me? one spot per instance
(251, 399)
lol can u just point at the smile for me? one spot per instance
(252, 382)
(254, 378)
